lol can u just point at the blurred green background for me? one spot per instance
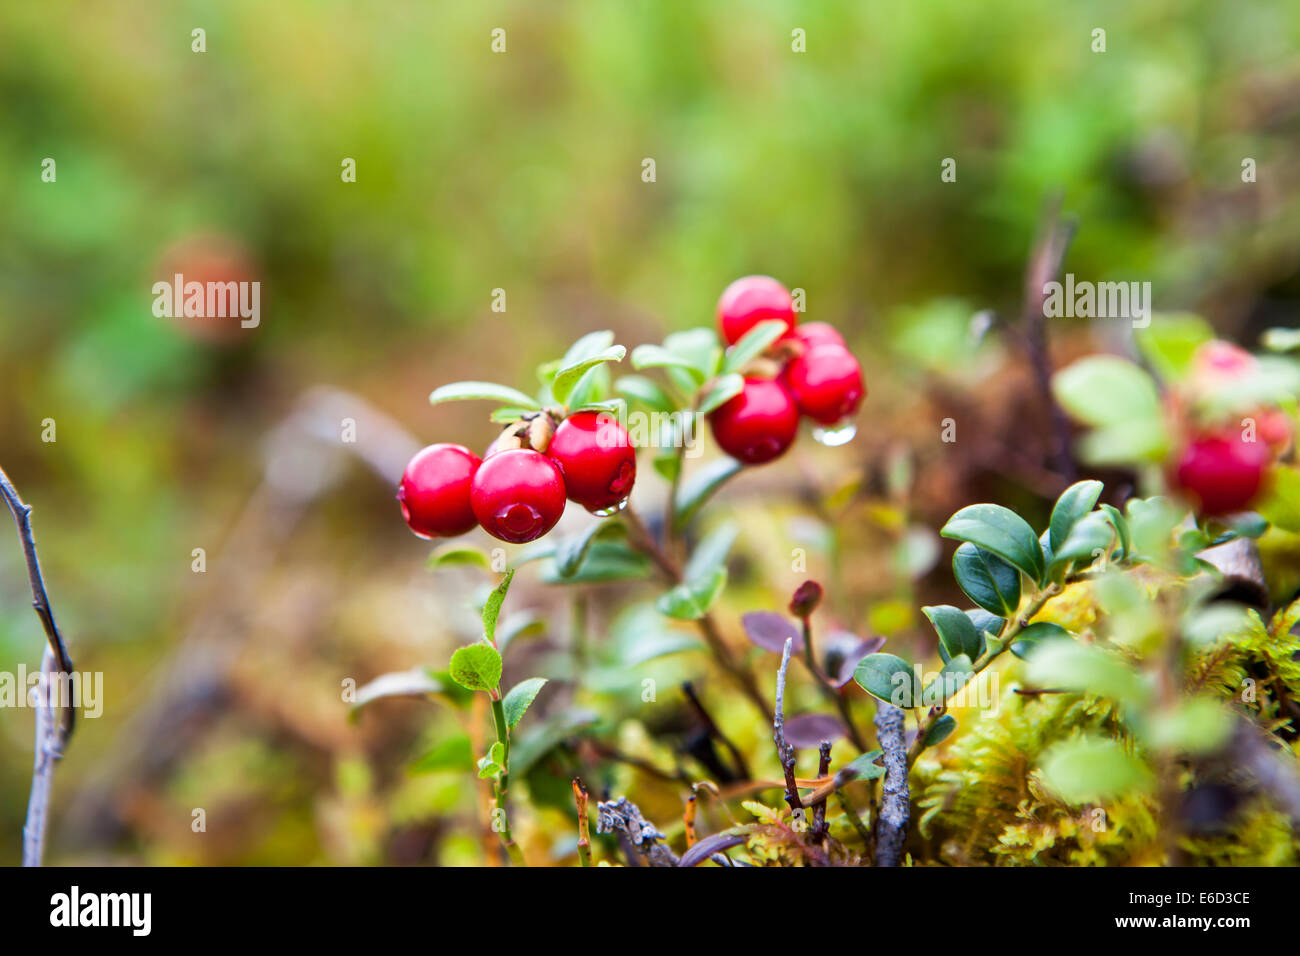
(521, 171)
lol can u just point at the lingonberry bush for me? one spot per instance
(1121, 689)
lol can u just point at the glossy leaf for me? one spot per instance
(1075, 502)
(1032, 636)
(888, 678)
(1001, 531)
(753, 344)
(489, 391)
(492, 606)
(520, 698)
(957, 633)
(989, 581)
(567, 378)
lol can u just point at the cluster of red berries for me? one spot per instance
(517, 491)
(818, 377)
(1222, 467)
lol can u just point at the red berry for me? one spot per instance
(749, 301)
(826, 382)
(518, 495)
(1222, 360)
(1222, 471)
(435, 491)
(757, 425)
(809, 334)
(596, 458)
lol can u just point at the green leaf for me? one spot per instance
(1199, 725)
(701, 485)
(1091, 769)
(457, 555)
(571, 551)
(692, 600)
(987, 580)
(1106, 390)
(605, 561)
(492, 606)
(593, 343)
(1120, 524)
(1033, 635)
(1001, 531)
(508, 414)
(1126, 443)
(638, 388)
(1075, 502)
(990, 624)
(955, 675)
(888, 678)
(520, 698)
(941, 730)
(863, 767)
(1090, 539)
(722, 390)
(699, 347)
(1068, 665)
(753, 344)
(1170, 341)
(413, 683)
(467, 391)
(568, 376)
(656, 356)
(957, 632)
(476, 667)
(712, 551)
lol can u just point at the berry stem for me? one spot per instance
(502, 785)
(644, 541)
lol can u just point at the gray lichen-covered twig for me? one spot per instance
(51, 734)
(785, 752)
(895, 804)
(624, 816)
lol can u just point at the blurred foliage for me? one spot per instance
(522, 171)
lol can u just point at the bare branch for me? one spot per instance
(895, 803)
(784, 752)
(624, 816)
(51, 735)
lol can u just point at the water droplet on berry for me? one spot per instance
(606, 512)
(835, 435)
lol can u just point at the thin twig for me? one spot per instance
(819, 811)
(584, 834)
(895, 803)
(785, 752)
(742, 768)
(51, 736)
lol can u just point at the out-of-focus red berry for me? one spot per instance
(757, 425)
(826, 382)
(435, 491)
(517, 495)
(1222, 360)
(751, 300)
(810, 334)
(1221, 471)
(1273, 427)
(596, 458)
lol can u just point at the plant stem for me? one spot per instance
(644, 541)
(988, 657)
(832, 693)
(502, 786)
(584, 834)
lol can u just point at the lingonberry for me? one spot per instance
(435, 491)
(810, 334)
(517, 495)
(757, 425)
(1221, 471)
(1222, 361)
(751, 300)
(826, 382)
(596, 458)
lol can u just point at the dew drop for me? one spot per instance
(835, 435)
(606, 512)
